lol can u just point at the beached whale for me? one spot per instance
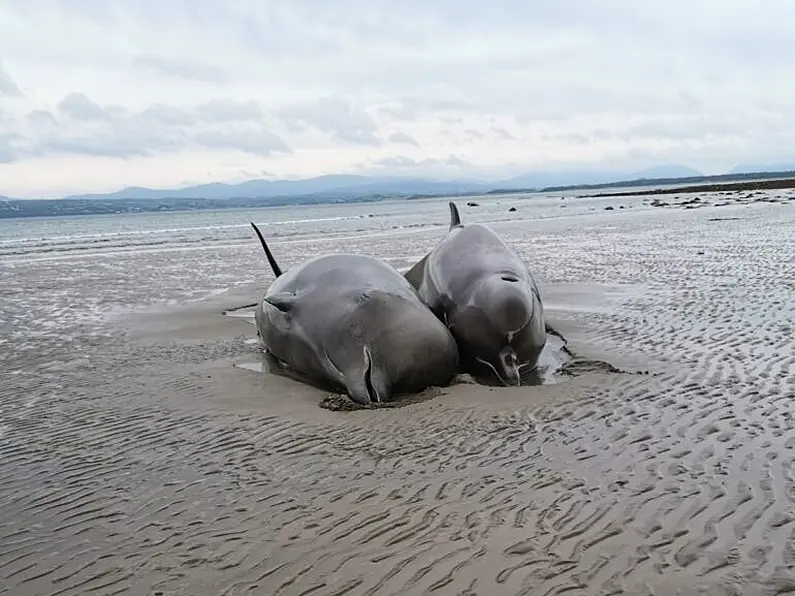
(483, 291)
(353, 322)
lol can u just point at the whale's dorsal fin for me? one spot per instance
(455, 218)
(274, 265)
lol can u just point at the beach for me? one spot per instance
(142, 453)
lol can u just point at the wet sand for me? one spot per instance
(147, 463)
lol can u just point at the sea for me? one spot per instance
(63, 278)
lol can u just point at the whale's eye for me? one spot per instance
(510, 278)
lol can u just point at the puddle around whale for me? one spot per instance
(243, 312)
(259, 366)
(551, 367)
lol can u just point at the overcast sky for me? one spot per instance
(95, 96)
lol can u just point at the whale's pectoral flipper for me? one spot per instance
(455, 218)
(283, 301)
(277, 271)
(416, 273)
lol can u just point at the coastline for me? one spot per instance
(13, 209)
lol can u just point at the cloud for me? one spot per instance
(403, 138)
(41, 118)
(346, 122)
(396, 162)
(90, 129)
(6, 149)
(256, 141)
(412, 108)
(79, 107)
(185, 84)
(180, 68)
(7, 84)
(502, 132)
(226, 110)
(450, 166)
(165, 115)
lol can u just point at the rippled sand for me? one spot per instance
(138, 460)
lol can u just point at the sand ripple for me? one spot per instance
(156, 468)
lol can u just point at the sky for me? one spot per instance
(97, 96)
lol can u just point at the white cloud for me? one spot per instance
(6, 147)
(346, 123)
(7, 84)
(83, 127)
(163, 92)
(80, 108)
(178, 67)
(397, 162)
(227, 110)
(402, 138)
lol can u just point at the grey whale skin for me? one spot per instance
(354, 322)
(483, 291)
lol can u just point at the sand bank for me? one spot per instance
(724, 187)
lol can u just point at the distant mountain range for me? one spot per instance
(748, 169)
(345, 185)
(347, 188)
(669, 171)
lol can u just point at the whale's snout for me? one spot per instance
(510, 367)
(505, 368)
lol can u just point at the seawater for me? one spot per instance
(94, 235)
(61, 277)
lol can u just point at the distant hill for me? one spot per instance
(752, 169)
(670, 182)
(353, 188)
(667, 171)
(538, 180)
(356, 186)
(332, 185)
(542, 180)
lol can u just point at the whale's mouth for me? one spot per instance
(502, 379)
(368, 377)
(549, 369)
